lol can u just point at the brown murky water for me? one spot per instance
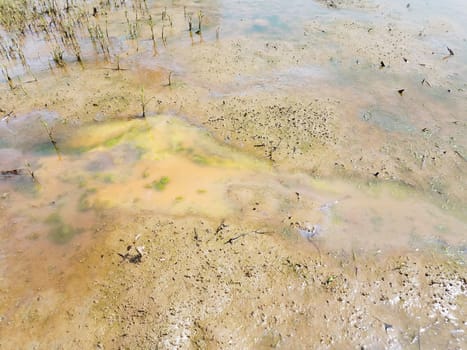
(164, 165)
(335, 126)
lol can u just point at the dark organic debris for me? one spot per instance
(18, 172)
(196, 236)
(221, 226)
(451, 53)
(278, 129)
(387, 326)
(401, 91)
(132, 258)
(233, 239)
(13, 172)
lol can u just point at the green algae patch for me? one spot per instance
(377, 222)
(113, 141)
(200, 160)
(33, 236)
(107, 136)
(323, 185)
(395, 189)
(107, 178)
(179, 148)
(336, 219)
(84, 203)
(44, 149)
(60, 233)
(159, 185)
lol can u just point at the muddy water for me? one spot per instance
(159, 165)
(55, 203)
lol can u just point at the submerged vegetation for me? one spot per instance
(68, 28)
(160, 184)
(60, 232)
(14, 14)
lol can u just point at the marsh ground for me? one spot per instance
(298, 179)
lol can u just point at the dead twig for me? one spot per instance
(221, 226)
(460, 155)
(451, 53)
(31, 173)
(233, 239)
(7, 116)
(51, 138)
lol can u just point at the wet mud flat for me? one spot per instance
(198, 284)
(253, 182)
(268, 296)
(211, 247)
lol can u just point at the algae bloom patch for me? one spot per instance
(60, 232)
(160, 184)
